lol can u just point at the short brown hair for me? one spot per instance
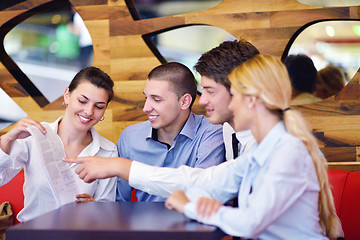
(221, 60)
(179, 76)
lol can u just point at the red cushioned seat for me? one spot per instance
(337, 179)
(350, 207)
(13, 192)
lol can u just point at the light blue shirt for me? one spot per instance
(199, 144)
(277, 188)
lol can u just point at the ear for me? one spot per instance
(251, 101)
(185, 101)
(66, 96)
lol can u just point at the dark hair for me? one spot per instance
(302, 72)
(179, 76)
(331, 80)
(221, 60)
(95, 76)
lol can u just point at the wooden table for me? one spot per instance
(112, 220)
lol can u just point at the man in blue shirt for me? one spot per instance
(173, 136)
(213, 66)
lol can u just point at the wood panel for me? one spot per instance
(121, 51)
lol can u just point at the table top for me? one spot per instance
(112, 220)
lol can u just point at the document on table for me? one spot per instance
(59, 173)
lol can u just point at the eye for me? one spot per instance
(209, 91)
(157, 100)
(100, 107)
(81, 101)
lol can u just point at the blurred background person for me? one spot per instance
(330, 81)
(303, 75)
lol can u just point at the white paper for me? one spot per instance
(59, 173)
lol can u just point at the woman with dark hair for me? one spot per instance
(73, 134)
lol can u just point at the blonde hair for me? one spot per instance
(267, 78)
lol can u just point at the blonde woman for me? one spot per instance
(281, 184)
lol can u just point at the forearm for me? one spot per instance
(122, 168)
(162, 181)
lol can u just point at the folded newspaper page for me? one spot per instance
(59, 173)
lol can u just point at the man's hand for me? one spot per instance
(92, 168)
(176, 201)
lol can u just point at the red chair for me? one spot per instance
(350, 207)
(337, 179)
(133, 196)
(346, 192)
(13, 192)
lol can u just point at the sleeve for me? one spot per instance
(11, 164)
(162, 181)
(106, 188)
(278, 189)
(223, 184)
(123, 189)
(211, 150)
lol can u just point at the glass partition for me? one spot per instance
(10, 112)
(43, 49)
(49, 48)
(144, 9)
(186, 44)
(330, 44)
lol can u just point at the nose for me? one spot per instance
(147, 106)
(89, 110)
(203, 99)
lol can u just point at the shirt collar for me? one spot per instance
(244, 136)
(263, 150)
(188, 130)
(94, 147)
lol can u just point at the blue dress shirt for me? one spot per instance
(277, 188)
(199, 144)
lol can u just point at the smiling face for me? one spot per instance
(86, 105)
(216, 98)
(162, 105)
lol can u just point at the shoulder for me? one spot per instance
(134, 133)
(291, 152)
(104, 143)
(52, 125)
(136, 129)
(203, 124)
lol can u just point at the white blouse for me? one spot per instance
(39, 196)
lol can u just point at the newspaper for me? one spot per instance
(59, 173)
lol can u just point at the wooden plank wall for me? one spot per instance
(121, 52)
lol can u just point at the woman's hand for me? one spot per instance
(176, 201)
(206, 207)
(19, 131)
(84, 198)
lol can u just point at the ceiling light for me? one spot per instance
(330, 31)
